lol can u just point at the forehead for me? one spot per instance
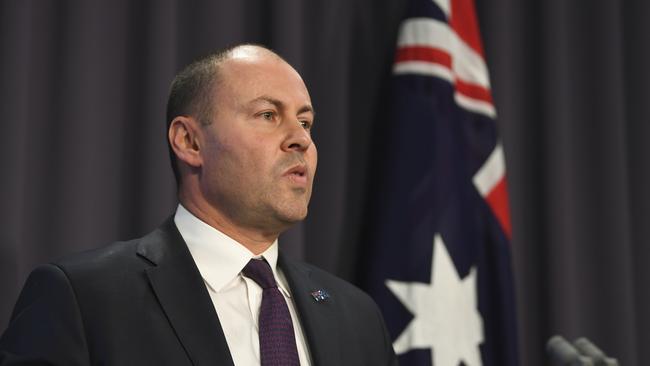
(250, 77)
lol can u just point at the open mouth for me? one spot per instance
(298, 174)
(299, 171)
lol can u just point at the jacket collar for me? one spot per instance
(181, 292)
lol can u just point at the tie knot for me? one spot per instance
(259, 271)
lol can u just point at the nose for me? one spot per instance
(297, 138)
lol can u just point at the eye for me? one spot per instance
(305, 124)
(267, 115)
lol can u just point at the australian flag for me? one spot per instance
(439, 264)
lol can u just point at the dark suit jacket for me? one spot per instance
(143, 302)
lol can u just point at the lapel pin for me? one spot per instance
(320, 295)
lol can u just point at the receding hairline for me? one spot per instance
(244, 52)
(215, 68)
(241, 55)
(247, 50)
(227, 66)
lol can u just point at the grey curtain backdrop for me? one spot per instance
(83, 86)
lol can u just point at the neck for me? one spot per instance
(255, 240)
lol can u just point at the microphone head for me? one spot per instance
(562, 353)
(587, 348)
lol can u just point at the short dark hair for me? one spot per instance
(190, 93)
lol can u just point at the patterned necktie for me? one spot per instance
(277, 339)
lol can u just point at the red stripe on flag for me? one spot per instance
(474, 91)
(463, 21)
(497, 199)
(426, 54)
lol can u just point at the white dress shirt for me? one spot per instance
(237, 299)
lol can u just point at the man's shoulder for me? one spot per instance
(95, 259)
(119, 256)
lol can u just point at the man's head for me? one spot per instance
(239, 131)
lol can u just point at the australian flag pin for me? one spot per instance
(320, 295)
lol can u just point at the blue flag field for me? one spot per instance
(439, 262)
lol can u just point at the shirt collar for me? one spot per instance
(218, 257)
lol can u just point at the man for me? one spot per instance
(209, 286)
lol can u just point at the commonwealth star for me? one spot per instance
(445, 315)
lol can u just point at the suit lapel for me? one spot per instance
(318, 319)
(181, 292)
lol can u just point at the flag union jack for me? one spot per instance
(440, 261)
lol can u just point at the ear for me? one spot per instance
(183, 138)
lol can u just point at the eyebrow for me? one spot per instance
(280, 105)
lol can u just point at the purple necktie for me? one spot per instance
(277, 339)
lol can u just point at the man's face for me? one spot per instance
(258, 156)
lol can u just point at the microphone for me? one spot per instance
(562, 353)
(590, 350)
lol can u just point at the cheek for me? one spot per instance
(224, 162)
(313, 156)
(249, 161)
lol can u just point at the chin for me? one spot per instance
(297, 217)
(293, 216)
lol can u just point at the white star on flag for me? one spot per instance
(445, 315)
